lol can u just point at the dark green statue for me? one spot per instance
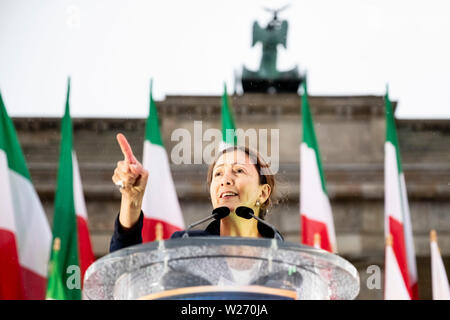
(268, 78)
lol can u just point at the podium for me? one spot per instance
(218, 268)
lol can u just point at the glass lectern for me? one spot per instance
(221, 268)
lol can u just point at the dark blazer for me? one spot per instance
(123, 238)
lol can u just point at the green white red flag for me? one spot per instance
(394, 285)
(397, 215)
(72, 251)
(229, 137)
(439, 280)
(315, 209)
(24, 231)
(162, 212)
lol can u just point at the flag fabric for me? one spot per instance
(315, 209)
(394, 285)
(25, 236)
(162, 212)
(86, 253)
(229, 137)
(439, 280)
(72, 251)
(54, 278)
(397, 216)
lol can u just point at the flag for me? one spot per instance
(315, 209)
(397, 216)
(162, 212)
(24, 231)
(229, 137)
(72, 250)
(439, 280)
(394, 285)
(86, 253)
(54, 279)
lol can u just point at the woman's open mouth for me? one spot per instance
(228, 195)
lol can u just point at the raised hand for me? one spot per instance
(131, 176)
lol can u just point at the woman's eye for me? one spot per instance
(216, 174)
(240, 170)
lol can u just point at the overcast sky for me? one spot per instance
(112, 48)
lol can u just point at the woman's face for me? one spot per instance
(235, 182)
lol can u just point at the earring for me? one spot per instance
(258, 203)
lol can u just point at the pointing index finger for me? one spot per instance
(126, 149)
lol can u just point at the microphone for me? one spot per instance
(247, 213)
(218, 214)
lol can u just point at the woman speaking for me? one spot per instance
(238, 177)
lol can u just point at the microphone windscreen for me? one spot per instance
(221, 212)
(244, 212)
